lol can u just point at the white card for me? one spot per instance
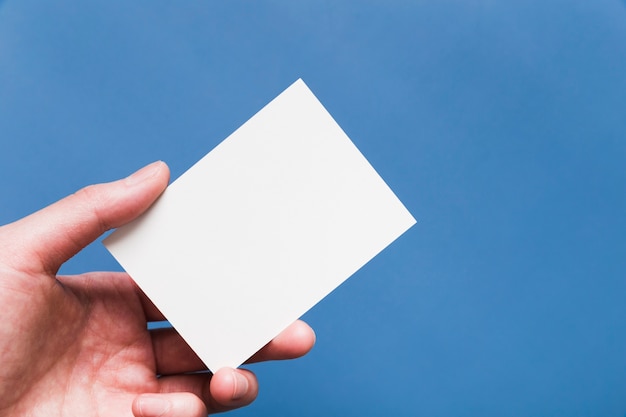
(260, 229)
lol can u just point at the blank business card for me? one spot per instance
(260, 229)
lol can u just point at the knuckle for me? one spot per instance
(92, 199)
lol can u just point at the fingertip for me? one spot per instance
(163, 173)
(157, 172)
(293, 342)
(234, 387)
(303, 337)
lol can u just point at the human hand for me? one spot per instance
(79, 346)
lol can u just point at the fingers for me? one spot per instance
(180, 404)
(195, 395)
(174, 356)
(233, 388)
(295, 341)
(225, 390)
(54, 234)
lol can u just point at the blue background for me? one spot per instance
(500, 124)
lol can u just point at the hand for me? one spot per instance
(78, 345)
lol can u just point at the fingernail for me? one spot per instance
(153, 405)
(144, 173)
(241, 385)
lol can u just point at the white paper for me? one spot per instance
(260, 229)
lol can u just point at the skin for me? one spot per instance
(78, 345)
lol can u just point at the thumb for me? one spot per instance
(49, 237)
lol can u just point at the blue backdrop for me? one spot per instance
(500, 124)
